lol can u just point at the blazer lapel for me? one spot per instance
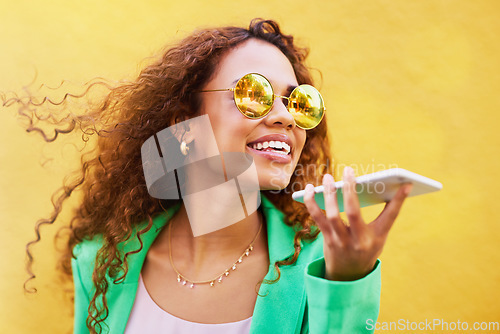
(121, 296)
(280, 306)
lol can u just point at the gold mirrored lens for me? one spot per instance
(306, 106)
(253, 95)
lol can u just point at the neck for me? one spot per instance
(194, 256)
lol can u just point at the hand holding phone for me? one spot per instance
(351, 248)
(378, 187)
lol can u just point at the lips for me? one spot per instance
(277, 143)
(276, 147)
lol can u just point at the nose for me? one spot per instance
(279, 115)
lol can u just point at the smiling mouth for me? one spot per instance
(271, 146)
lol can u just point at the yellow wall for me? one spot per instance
(411, 83)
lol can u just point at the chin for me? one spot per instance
(274, 177)
(275, 182)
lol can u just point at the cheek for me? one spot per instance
(231, 135)
(225, 127)
(301, 141)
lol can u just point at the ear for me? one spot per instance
(198, 135)
(183, 133)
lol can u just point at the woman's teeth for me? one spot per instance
(274, 145)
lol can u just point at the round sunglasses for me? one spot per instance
(254, 97)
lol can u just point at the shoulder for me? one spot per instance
(312, 250)
(83, 261)
(82, 265)
(281, 236)
(86, 252)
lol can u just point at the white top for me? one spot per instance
(147, 317)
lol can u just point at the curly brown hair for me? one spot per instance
(115, 197)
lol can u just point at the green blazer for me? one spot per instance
(302, 301)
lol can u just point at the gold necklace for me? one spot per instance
(185, 281)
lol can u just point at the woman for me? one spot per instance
(137, 266)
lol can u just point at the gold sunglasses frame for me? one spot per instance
(274, 98)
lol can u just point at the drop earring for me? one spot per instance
(184, 145)
(184, 148)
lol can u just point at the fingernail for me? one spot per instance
(328, 178)
(348, 173)
(328, 182)
(309, 188)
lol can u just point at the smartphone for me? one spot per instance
(378, 187)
